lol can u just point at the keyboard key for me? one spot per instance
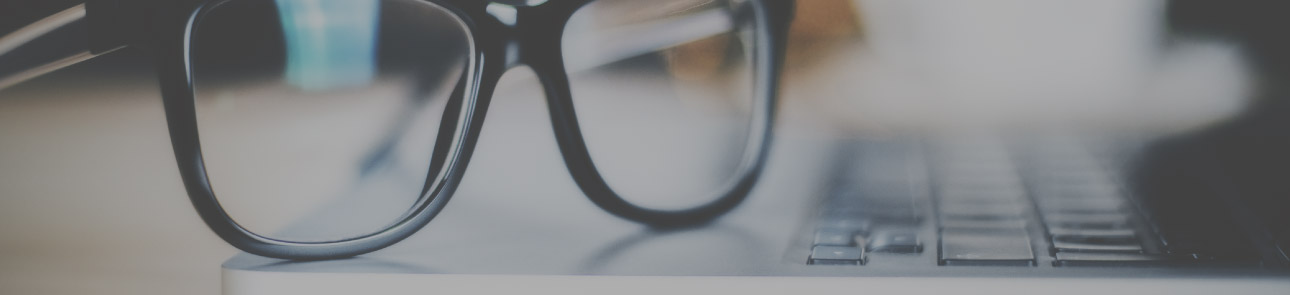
(1090, 232)
(861, 223)
(986, 247)
(1086, 218)
(1093, 185)
(902, 242)
(970, 175)
(1104, 225)
(1081, 205)
(958, 223)
(1010, 194)
(872, 213)
(975, 169)
(965, 209)
(832, 237)
(999, 185)
(833, 255)
(1110, 259)
(854, 225)
(869, 192)
(980, 217)
(904, 211)
(1128, 243)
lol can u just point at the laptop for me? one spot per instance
(1104, 206)
(1056, 211)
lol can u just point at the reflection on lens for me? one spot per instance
(317, 118)
(663, 94)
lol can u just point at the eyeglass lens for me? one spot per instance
(317, 119)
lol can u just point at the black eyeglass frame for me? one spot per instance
(532, 39)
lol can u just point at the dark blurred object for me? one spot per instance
(1202, 185)
(1259, 25)
(14, 14)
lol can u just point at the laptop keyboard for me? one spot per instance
(984, 202)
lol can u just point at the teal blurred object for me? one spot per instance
(330, 43)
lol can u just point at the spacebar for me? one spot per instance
(1109, 258)
(972, 246)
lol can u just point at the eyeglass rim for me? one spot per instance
(178, 95)
(174, 68)
(581, 166)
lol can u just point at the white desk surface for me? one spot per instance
(526, 227)
(90, 201)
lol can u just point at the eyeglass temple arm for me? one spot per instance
(68, 37)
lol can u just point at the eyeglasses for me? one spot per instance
(333, 128)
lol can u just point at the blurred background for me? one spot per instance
(90, 201)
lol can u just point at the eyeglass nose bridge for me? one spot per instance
(522, 33)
